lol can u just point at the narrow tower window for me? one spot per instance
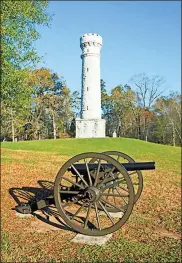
(87, 69)
(87, 107)
(87, 88)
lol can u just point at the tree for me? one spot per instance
(75, 103)
(66, 114)
(103, 89)
(19, 20)
(18, 29)
(51, 103)
(147, 90)
(16, 104)
(168, 110)
(75, 109)
(104, 97)
(117, 109)
(41, 83)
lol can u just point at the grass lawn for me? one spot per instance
(152, 233)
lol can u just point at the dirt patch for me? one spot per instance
(47, 224)
(47, 220)
(165, 233)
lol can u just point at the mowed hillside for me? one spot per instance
(152, 233)
(163, 155)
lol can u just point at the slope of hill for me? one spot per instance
(164, 155)
(152, 233)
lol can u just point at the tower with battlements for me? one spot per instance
(90, 125)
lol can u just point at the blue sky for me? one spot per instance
(138, 37)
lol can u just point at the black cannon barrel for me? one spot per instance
(139, 166)
(81, 167)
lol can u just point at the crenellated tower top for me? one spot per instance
(90, 44)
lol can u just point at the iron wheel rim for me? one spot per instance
(139, 173)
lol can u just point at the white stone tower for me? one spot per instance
(90, 125)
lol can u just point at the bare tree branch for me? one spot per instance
(148, 89)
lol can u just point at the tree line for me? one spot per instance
(47, 109)
(37, 104)
(142, 112)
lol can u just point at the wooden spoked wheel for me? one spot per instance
(135, 176)
(79, 193)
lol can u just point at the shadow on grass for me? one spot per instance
(35, 194)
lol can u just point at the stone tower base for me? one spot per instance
(92, 128)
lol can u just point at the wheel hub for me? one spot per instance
(92, 194)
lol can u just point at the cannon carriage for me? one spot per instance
(91, 188)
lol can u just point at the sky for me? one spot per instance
(138, 37)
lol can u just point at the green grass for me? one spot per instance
(133, 252)
(169, 156)
(142, 245)
(11, 160)
(5, 245)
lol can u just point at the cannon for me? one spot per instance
(90, 188)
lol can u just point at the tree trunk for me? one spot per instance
(164, 136)
(13, 130)
(139, 132)
(178, 133)
(145, 128)
(54, 126)
(174, 136)
(47, 133)
(139, 129)
(12, 126)
(36, 134)
(146, 133)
